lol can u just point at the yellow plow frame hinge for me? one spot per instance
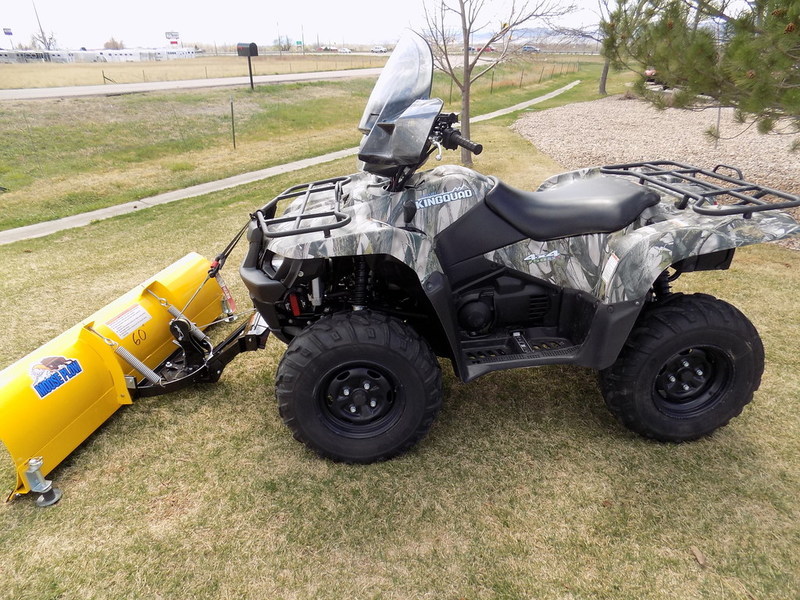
(56, 396)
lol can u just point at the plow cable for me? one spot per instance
(217, 264)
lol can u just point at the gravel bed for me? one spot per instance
(617, 129)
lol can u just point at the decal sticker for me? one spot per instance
(52, 372)
(456, 194)
(610, 268)
(129, 321)
(540, 258)
(226, 293)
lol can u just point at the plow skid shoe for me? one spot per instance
(55, 397)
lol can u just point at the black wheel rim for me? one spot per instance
(360, 400)
(692, 381)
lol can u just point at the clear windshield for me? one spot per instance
(407, 77)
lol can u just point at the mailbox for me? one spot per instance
(245, 49)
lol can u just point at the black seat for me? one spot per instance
(592, 205)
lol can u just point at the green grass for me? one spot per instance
(62, 157)
(525, 488)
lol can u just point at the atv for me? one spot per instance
(370, 278)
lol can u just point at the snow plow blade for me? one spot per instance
(56, 396)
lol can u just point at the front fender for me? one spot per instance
(364, 236)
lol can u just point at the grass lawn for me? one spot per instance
(66, 156)
(526, 487)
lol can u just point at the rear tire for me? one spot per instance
(359, 387)
(689, 366)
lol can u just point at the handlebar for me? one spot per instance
(453, 138)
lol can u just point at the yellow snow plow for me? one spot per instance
(145, 343)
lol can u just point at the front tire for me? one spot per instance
(689, 366)
(359, 387)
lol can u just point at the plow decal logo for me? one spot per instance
(52, 372)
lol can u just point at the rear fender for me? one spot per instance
(636, 258)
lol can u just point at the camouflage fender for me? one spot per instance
(637, 258)
(441, 196)
(623, 265)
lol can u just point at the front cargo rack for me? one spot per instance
(265, 216)
(713, 193)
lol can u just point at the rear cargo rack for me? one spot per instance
(265, 215)
(712, 192)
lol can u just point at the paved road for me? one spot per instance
(42, 229)
(113, 89)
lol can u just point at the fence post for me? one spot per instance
(233, 125)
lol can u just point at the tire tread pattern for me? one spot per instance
(363, 326)
(658, 323)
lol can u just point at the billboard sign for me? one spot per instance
(172, 35)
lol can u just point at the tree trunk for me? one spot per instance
(466, 155)
(604, 78)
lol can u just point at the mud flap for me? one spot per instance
(56, 396)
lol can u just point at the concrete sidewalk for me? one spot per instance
(42, 229)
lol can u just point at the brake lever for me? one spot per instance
(439, 146)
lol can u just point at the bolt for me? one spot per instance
(346, 391)
(353, 408)
(685, 387)
(685, 363)
(699, 373)
(671, 379)
(372, 404)
(367, 385)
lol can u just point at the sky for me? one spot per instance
(143, 23)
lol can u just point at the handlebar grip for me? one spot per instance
(465, 143)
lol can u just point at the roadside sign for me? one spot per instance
(7, 31)
(172, 35)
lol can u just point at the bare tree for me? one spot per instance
(113, 44)
(42, 40)
(595, 33)
(451, 24)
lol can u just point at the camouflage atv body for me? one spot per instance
(369, 277)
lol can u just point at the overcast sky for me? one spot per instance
(143, 23)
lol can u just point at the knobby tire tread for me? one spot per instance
(326, 334)
(658, 323)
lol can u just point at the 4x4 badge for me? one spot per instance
(539, 258)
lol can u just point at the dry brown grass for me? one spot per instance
(34, 75)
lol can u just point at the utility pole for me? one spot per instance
(44, 39)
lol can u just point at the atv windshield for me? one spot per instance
(407, 77)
